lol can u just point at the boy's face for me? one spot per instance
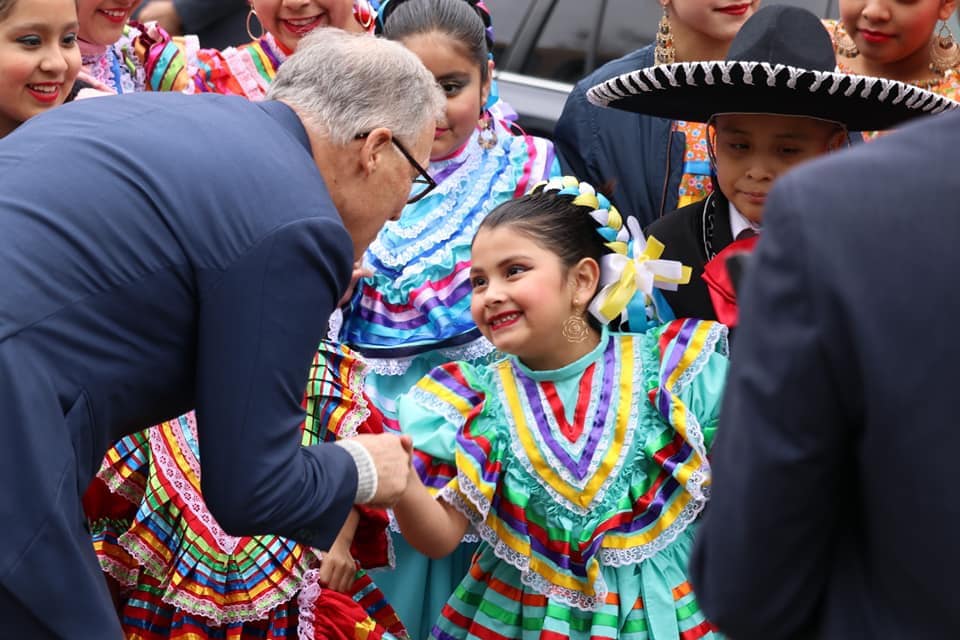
(752, 150)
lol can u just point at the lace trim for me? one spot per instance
(279, 593)
(359, 410)
(528, 576)
(635, 555)
(334, 325)
(442, 408)
(474, 350)
(125, 575)
(121, 485)
(716, 341)
(478, 178)
(306, 603)
(636, 399)
(191, 497)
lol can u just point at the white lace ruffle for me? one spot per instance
(528, 576)
(473, 350)
(440, 407)
(470, 184)
(306, 602)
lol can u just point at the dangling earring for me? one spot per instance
(664, 53)
(575, 329)
(488, 135)
(363, 13)
(253, 14)
(944, 52)
(843, 43)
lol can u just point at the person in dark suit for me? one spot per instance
(761, 123)
(832, 513)
(153, 246)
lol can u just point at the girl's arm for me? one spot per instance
(431, 526)
(338, 568)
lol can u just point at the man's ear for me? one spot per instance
(373, 149)
(584, 276)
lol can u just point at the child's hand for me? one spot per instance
(338, 569)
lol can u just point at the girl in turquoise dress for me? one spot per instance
(581, 458)
(412, 312)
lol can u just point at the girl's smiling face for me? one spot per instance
(102, 21)
(39, 59)
(893, 31)
(523, 294)
(290, 20)
(462, 82)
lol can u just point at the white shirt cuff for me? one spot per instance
(366, 470)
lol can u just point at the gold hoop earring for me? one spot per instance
(575, 329)
(843, 43)
(253, 14)
(664, 53)
(944, 51)
(487, 137)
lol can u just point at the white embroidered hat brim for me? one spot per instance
(696, 91)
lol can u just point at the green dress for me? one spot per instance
(584, 484)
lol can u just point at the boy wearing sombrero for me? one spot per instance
(775, 102)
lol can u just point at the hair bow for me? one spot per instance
(635, 266)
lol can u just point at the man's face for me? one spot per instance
(379, 190)
(751, 151)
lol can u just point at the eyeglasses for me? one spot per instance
(423, 183)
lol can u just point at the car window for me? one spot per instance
(561, 51)
(507, 17)
(627, 25)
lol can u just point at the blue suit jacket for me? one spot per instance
(158, 252)
(833, 511)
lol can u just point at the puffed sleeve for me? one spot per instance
(693, 371)
(451, 416)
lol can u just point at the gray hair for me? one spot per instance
(347, 84)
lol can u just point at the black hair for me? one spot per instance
(462, 20)
(5, 7)
(556, 224)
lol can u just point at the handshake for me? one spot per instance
(391, 456)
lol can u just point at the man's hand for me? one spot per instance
(164, 12)
(359, 271)
(391, 457)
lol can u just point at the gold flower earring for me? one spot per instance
(575, 328)
(664, 53)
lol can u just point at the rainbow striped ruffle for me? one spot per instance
(183, 576)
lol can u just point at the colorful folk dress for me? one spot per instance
(246, 70)
(584, 484)
(177, 574)
(413, 314)
(145, 58)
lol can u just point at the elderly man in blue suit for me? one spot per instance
(833, 514)
(150, 243)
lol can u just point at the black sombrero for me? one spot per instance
(781, 62)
